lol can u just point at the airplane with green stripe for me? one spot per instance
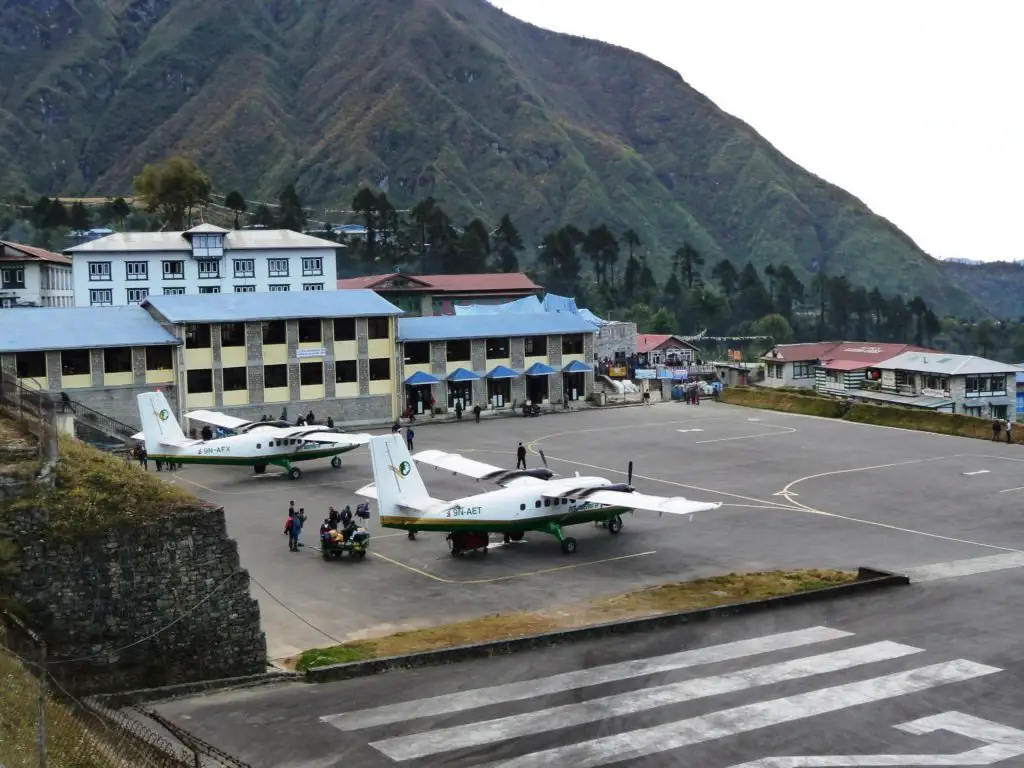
(527, 500)
(255, 444)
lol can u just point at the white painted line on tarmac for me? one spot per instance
(967, 567)
(977, 472)
(789, 431)
(689, 430)
(1010, 490)
(609, 673)
(631, 702)
(635, 745)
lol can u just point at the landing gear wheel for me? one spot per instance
(259, 469)
(336, 462)
(615, 525)
(294, 473)
(412, 535)
(484, 550)
(569, 545)
(456, 552)
(362, 554)
(517, 536)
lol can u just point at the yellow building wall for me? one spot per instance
(419, 368)
(381, 387)
(490, 363)
(198, 359)
(160, 377)
(566, 359)
(118, 379)
(311, 392)
(311, 345)
(276, 395)
(275, 354)
(233, 357)
(236, 397)
(346, 350)
(349, 389)
(76, 382)
(31, 383)
(536, 359)
(378, 348)
(199, 400)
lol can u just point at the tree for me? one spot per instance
(632, 240)
(754, 301)
(40, 210)
(774, 326)
(236, 203)
(365, 202)
(932, 326)
(291, 215)
(603, 249)
(507, 244)
(263, 217)
(727, 276)
(172, 189)
(56, 215)
(791, 290)
(79, 218)
(689, 261)
(918, 308)
(421, 215)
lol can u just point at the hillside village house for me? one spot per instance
(797, 365)
(127, 267)
(665, 349)
(34, 277)
(846, 367)
(424, 295)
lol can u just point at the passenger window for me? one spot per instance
(537, 504)
(258, 446)
(522, 507)
(547, 502)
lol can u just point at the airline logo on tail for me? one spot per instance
(403, 469)
(164, 415)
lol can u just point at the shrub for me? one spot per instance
(788, 402)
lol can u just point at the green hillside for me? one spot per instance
(997, 286)
(450, 98)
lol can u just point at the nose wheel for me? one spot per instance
(336, 462)
(294, 473)
(569, 545)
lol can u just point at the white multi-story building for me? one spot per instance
(128, 267)
(34, 277)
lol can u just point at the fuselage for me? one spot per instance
(249, 450)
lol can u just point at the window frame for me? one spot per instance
(312, 266)
(100, 275)
(138, 275)
(239, 269)
(168, 271)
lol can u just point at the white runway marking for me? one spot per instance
(637, 744)
(632, 702)
(528, 689)
(689, 430)
(977, 472)
(967, 567)
(789, 431)
(1009, 490)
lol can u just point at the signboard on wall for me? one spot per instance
(888, 378)
(301, 353)
(617, 371)
(646, 373)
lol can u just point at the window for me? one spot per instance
(136, 270)
(497, 348)
(275, 376)
(159, 358)
(197, 337)
(458, 351)
(209, 289)
(232, 334)
(245, 289)
(14, 277)
(417, 352)
(174, 270)
(209, 269)
(279, 287)
(199, 382)
(345, 329)
(346, 372)
(101, 298)
(312, 286)
(380, 369)
(75, 362)
(985, 386)
(207, 245)
(137, 295)
(311, 374)
(310, 329)
(245, 268)
(803, 370)
(377, 327)
(117, 360)
(174, 291)
(536, 346)
(274, 332)
(99, 270)
(277, 267)
(31, 365)
(572, 345)
(236, 379)
(312, 267)
(44, 279)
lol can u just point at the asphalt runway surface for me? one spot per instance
(930, 670)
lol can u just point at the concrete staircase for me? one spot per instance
(97, 429)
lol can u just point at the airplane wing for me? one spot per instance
(336, 438)
(217, 419)
(675, 505)
(453, 462)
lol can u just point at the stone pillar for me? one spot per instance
(478, 356)
(139, 366)
(439, 367)
(53, 369)
(96, 365)
(218, 365)
(556, 388)
(254, 361)
(9, 363)
(555, 351)
(327, 333)
(589, 353)
(363, 347)
(426, 305)
(292, 337)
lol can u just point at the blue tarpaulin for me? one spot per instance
(539, 369)
(419, 378)
(461, 374)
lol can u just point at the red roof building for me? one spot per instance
(796, 365)
(438, 294)
(34, 277)
(662, 348)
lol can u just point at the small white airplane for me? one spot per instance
(529, 500)
(258, 445)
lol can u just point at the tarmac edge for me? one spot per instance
(868, 580)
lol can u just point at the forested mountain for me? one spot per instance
(451, 99)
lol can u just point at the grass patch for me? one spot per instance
(956, 424)
(788, 402)
(94, 490)
(653, 601)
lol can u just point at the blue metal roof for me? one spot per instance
(420, 377)
(461, 374)
(502, 372)
(278, 305)
(35, 329)
(577, 366)
(539, 369)
(451, 327)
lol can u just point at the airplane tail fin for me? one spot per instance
(399, 487)
(159, 427)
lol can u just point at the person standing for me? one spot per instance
(409, 435)
(1009, 428)
(996, 426)
(291, 531)
(521, 456)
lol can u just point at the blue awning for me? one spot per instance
(461, 374)
(577, 366)
(502, 372)
(419, 378)
(539, 369)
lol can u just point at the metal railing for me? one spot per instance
(98, 420)
(35, 413)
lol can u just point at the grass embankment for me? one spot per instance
(862, 413)
(668, 598)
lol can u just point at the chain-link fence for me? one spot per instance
(34, 411)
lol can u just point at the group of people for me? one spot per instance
(343, 522)
(302, 421)
(998, 425)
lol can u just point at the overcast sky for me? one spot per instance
(914, 106)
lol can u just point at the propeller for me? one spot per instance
(629, 475)
(544, 459)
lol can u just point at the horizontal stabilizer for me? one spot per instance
(335, 438)
(453, 462)
(368, 491)
(424, 504)
(674, 505)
